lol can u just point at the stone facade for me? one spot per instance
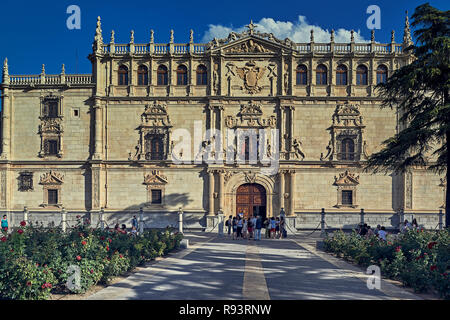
(110, 141)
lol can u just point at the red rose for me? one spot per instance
(83, 243)
(3, 239)
(23, 223)
(92, 270)
(20, 231)
(43, 286)
(28, 283)
(102, 238)
(78, 258)
(398, 249)
(432, 268)
(107, 248)
(121, 256)
(432, 244)
(109, 240)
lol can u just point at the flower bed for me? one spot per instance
(419, 259)
(35, 262)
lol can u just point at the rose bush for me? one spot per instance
(34, 261)
(420, 259)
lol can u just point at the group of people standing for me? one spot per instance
(250, 228)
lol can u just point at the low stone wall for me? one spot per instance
(351, 220)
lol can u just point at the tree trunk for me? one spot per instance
(447, 190)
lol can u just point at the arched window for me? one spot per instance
(321, 74)
(341, 75)
(382, 73)
(182, 75)
(123, 76)
(361, 75)
(154, 146)
(347, 149)
(142, 76)
(202, 75)
(162, 79)
(302, 76)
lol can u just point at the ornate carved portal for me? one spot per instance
(251, 199)
(51, 129)
(154, 134)
(51, 182)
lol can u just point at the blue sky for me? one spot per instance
(35, 32)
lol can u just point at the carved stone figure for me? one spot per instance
(297, 149)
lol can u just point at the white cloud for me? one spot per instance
(298, 31)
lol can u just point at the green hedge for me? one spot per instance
(418, 258)
(36, 261)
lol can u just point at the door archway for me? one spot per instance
(251, 200)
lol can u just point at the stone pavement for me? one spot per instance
(221, 268)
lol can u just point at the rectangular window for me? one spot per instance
(52, 196)
(347, 197)
(156, 197)
(51, 147)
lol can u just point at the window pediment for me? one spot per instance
(155, 178)
(346, 179)
(51, 178)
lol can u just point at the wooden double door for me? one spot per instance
(251, 200)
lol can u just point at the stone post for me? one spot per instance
(322, 222)
(362, 216)
(63, 219)
(440, 219)
(25, 214)
(102, 219)
(141, 220)
(180, 220)
(221, 222)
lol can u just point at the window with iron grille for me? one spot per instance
(51, 146)
(347, 197)
(52, 196)
(156, 196)
(25, 181)
(50, 108)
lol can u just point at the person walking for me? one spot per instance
(134, 223)
(234, 225)
(239, 224)
(283, 227)
(258, 227)
(254, 225)
(273, 225)
(4, 224)
(229, 224)
(244, 228)
(266, 224)
(277, 228)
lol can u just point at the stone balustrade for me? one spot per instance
(50, 79)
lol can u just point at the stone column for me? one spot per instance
(98, 131)
(211, 193)
(221, 189)
(292, 194)
(291, 127)
(281, 174)
(282, 129)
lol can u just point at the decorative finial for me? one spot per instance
(152, 36)
(132, 36)
(352, 37)
(43, 69)
(372, 35)
(407, 41)
(311, 38)
(171, 36)
(191, 36)
(5, 71)
(63, 69)
(251, 27)
(332, 35)
(98, 39)
(393, 36)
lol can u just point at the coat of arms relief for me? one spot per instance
(251, 74)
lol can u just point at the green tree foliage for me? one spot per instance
(420, 93)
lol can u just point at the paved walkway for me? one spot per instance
(221, 268)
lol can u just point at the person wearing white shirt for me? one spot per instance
(382, 233)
